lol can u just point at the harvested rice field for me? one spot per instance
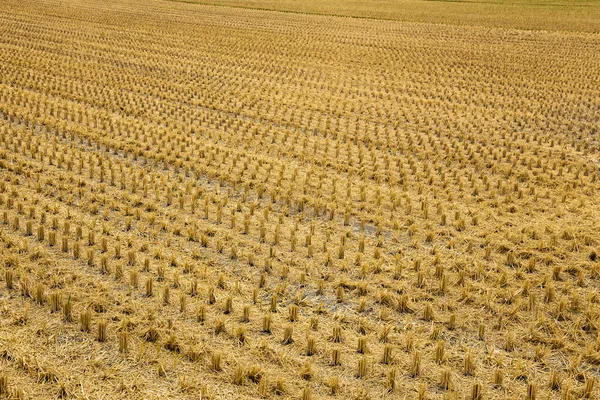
(282, 200)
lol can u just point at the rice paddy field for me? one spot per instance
(282, 200)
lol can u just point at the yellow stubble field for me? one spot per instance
(227, 202)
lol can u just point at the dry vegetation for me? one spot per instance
(564, 15)
(213, 202)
